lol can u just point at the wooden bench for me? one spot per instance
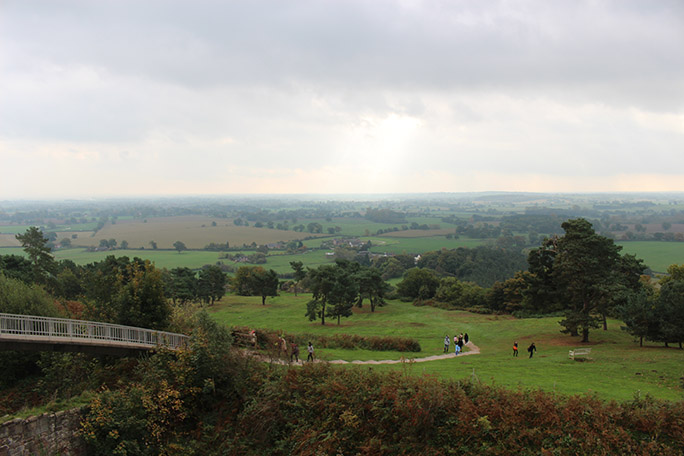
(579, 352)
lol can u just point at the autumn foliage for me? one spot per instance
(230, 405)
(325, 410)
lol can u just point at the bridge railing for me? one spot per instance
(30, 326)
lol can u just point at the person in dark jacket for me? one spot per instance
(532, 348)
(295, 353)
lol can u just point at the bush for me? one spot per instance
(268, 339)
(320, 409)
(16, 297)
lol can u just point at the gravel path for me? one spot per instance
(472, 350)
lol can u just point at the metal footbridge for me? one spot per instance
(33, 333)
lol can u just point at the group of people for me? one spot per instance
(293, 352)
(531, 349)
(459, 341)
(462, 339)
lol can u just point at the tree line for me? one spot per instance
(580, 276)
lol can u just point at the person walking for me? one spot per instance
(446, 343)
(295, 353)
(515, 349)
(310, 349)
(460, 344)
(532, 348)
(283, 347)
(455, 345)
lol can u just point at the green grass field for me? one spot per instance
(161, 258)
(13, 229)
(657, 255)
(619, 369)
(19, 229)
(280, 263)
(192, 259)
(387, 244)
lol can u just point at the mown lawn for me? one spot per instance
(619, 369)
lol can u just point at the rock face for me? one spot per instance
(49, 433)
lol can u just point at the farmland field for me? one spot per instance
(195, 231)
(18, 229)
(395, 245)
(419, 233)
(8, 240)
(657, 255)
(193, 259)
(619, 369)
(161, 258)
(13, 229)
(280, 263)
(198, 231)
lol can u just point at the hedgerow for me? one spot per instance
(266, 339)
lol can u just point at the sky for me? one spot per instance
(114, 98)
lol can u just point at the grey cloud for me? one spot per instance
(154, 87)
(629, 51)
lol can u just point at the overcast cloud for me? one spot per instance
(123, 97)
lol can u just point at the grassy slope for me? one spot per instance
(619, 368)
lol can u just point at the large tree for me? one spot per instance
(299, 273)
(180, 246)
(418, 283)
(16, 267)
(182, 285)
(640, 317)
(508, 296)
(670, 309)
(212, 284)
(542, 295)
(584, 272)
(35, 245)
(255, 281)
(141, 301)
(334, 292)
(371, 287)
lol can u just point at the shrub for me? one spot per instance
(320, 409)
(267, 339)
